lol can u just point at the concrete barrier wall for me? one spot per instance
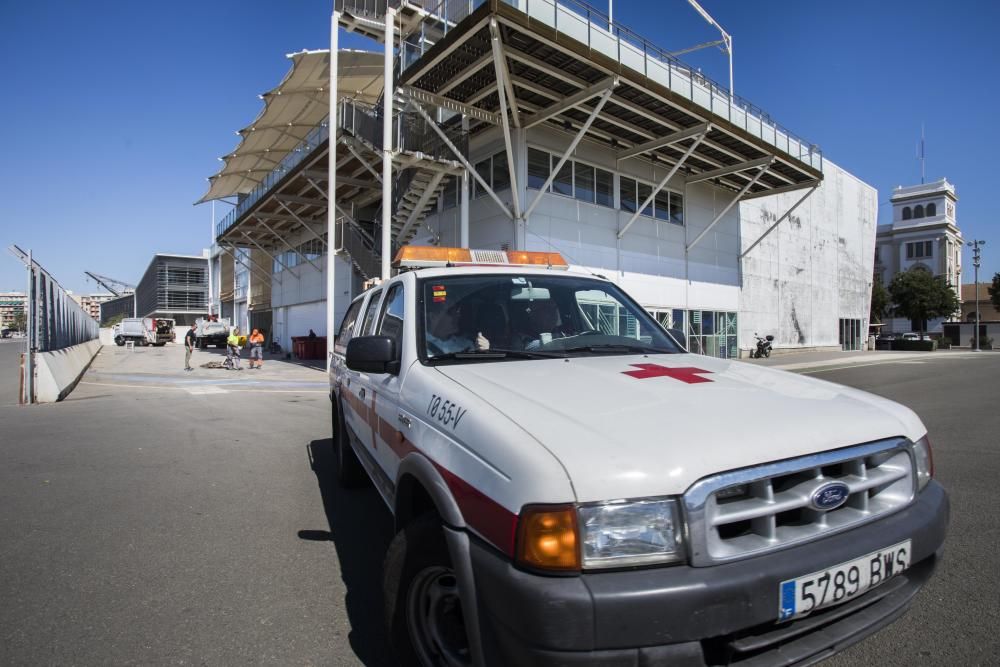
(58, 372)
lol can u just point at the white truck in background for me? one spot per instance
(144, 331)
(212, 332)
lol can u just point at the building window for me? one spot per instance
(494, 173)
(907, 214)
(918, 211)
(562, 184)
(576, 179)
(605, 188)
(931, 210)
(627, 188)
(667, 205)
(919, 250)
(538, 168)
(501, 173)
(583, 187)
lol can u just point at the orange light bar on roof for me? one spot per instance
(550, 259)
(413, 257)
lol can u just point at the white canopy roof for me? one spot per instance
(291, 110)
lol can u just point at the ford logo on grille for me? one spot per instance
(830, 496)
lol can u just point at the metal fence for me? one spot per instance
(53, 320)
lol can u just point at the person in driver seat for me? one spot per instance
(444, 335)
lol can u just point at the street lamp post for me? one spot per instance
(976, 261)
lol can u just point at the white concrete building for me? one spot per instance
(923, 235)
(618, 156)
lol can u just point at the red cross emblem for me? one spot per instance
(687, 374)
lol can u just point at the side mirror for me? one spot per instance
(372, 354)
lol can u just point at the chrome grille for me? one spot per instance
(751, 511)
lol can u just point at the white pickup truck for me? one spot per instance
(570, 486)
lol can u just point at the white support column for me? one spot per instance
(661, 184)
(388, 92)
(464, 211)
(211, 243)
(331, 210)
(569, 151)
(739, 196)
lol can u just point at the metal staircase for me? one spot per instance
(360, 247)
(422, 162)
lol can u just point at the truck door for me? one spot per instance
(356, 389)
(386, 422)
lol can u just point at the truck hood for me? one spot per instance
(642, 425)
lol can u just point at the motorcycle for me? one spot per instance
(763, 346)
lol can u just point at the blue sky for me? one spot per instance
(114, 112)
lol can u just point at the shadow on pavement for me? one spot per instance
(361, 529)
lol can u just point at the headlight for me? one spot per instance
(629, 533)
(925, 462)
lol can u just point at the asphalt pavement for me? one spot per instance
(10, 361)
(160, 517)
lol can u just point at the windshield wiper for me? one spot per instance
(615, 348)
(492, 354)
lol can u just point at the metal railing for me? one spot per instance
(360, 246)
(52, 319)
(591, 26)
(411, 134)
(316, 136)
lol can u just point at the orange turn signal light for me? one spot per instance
(422, 255)
(547, 537)
(524, 257)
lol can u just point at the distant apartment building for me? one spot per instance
(923, 236)
(11, 306)
(92, 303)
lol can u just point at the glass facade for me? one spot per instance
(708, 332)
(850, 334)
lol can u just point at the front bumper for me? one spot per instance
(682, 615)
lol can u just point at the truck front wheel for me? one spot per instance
(119, 341)
(423, 609)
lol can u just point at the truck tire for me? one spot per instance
(423, 609)
(350, 474)
(119, 341)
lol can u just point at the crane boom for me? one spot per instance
(116, 287)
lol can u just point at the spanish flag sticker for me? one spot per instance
(440, 294)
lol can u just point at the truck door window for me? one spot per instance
(368, 325)
(391, 323)
(347, 326)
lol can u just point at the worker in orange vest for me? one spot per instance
(257, 349)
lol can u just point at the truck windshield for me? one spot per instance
(469, 318)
